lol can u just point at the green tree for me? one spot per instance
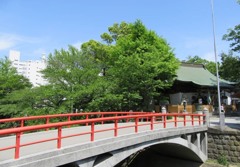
(128, 70)
(210, 66)
(72, 75)
(18, 103)
(230, 67)
(11, 83)
(138, 63)
(233, 36)
(10, 80)
(230, 63)
(104, 97)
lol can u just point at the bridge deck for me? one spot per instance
(52, 145)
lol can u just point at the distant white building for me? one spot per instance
(30, 69)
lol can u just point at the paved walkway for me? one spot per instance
(232, 122)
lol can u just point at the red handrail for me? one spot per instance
(153, 117)
(68, 116)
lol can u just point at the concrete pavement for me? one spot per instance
(231, 122)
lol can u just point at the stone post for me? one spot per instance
(206, 117)
(164, 111)
(154, 118)
(222, 120)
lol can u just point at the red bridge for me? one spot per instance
(52, 143)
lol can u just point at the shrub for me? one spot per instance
(222, 159)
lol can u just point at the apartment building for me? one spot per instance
(30, 69)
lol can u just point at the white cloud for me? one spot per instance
(5, 44)
(77, 45)
(8, 41)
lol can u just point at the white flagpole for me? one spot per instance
(221, 121)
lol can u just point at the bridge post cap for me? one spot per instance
(205, 109)
(163, 109)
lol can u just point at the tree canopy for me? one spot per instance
(11, 83)
(139, 64)
(10, 80)
(233, 36)
(125, 71)
(230, 67)
(230, 62)
(73, 74)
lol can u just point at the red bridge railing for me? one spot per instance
(137, 118)
(20, 121)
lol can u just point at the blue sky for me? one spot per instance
(35, 27)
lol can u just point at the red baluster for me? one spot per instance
(152, 118)
(17, 146)
(92, 131)
(175, 120)
(116, 128)
(136, 124)
(59, 140)
(47, 122)
(184, 120)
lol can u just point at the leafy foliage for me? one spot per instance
(137, 62)
(230, 63)
(234, 36)
(222, 159)
(230, 67)
(127, 71)
(9, 79)
(73, 74)
(12, 87)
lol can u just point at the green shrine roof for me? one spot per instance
(198, 74)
